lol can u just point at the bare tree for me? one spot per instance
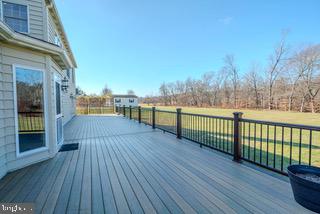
(275, 67)
(254, 80)
(164, 93)
(312, 74)
(296, 68)
(130, 92)
(80, 92)
(172, 93)
(191, 86)
(106, 91)
(232, 71)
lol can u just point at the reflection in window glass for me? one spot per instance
(30, 106)
(58, 98)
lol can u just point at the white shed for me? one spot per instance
(127, 100)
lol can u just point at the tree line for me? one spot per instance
(290, 82)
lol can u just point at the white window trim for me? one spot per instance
(41, 149)
(19, 3)
(57, 78)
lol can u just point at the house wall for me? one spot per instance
(125, 101)
(52, 31)
(67, 99)
(51, 28)
(37, 16)
(9, 56)
(3, 160)
(69, 103)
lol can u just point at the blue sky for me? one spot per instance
(140, 44)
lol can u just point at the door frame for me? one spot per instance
(45, 109)
(58, 79)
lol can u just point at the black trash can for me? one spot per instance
(305, 185)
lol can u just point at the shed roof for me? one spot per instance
(124, 96)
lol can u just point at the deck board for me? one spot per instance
(125, 167)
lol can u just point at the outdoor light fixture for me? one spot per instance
(64, 85)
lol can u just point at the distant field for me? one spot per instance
(275, 116)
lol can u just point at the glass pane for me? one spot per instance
(30, 106)
(16, 24)
(58, 99)
(59, 130)
(16, 16)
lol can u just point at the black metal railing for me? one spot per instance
(277, 145)
(271, 145)
(135, 113)
(146, 116)
(95, 110)
(166, 121)
(30, 122)
(211, 131)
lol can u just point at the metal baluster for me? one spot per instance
(282, 144)
(310, 147)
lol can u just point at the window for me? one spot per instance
(30, 109)
(73, 76)
(58, 98)
(117, 100)
(131, 100)
(57, 40)
(68, 73)
(16, 16)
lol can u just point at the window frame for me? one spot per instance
(17, 3)
(45, 108)
(57, 40)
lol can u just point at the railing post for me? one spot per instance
(139, 114)
(153, 117)
(237, 136)
(124, 110)
(179, 124)
(130, 112)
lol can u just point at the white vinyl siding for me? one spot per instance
(9, 57)
(53, 34)
(3, 98)
(51, 28)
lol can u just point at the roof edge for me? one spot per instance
(55, 14)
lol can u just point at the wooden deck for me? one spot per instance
(122, 166)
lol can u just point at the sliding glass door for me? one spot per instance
(30, 107)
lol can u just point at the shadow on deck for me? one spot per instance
(125, 167)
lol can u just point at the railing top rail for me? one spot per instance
(285, 125)
(166, 111)
(30, 112)
(208, 116)
(147, 109)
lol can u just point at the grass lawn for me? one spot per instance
(269, 145)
